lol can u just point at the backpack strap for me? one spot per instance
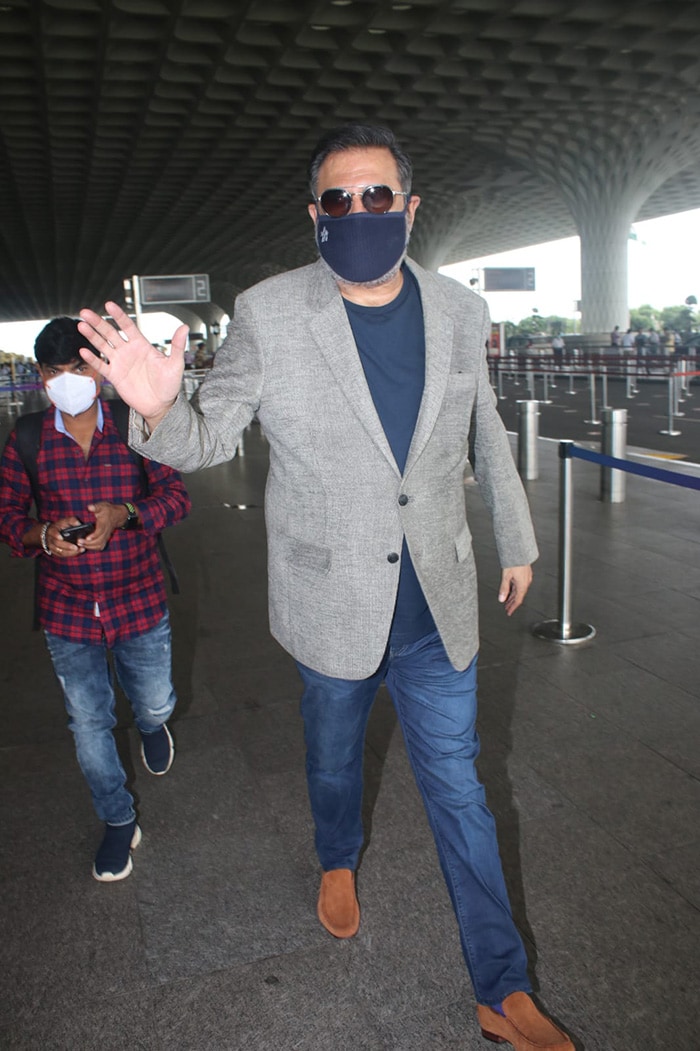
(28, 436)
(120, 415)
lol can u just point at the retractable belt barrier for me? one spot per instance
(562, 629)
(688, 481)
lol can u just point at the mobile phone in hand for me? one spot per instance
(73, 532)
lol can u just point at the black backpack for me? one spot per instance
(28, 434)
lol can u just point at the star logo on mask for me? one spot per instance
(324, 234)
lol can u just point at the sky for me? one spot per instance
(18, 336)
(664, 269)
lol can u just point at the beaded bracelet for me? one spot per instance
(44, 531)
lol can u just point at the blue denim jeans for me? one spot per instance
(143, 669)
(436, 709)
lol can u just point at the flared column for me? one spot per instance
(605, 174)
(604, 233)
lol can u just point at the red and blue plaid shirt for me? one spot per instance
(113, 594)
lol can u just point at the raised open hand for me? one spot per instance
(145, 377)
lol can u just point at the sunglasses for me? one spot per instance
(375, 199)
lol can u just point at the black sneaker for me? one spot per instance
(158, 751)
(113, 859)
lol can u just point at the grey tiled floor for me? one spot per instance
(590, 757)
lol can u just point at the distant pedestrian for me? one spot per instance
(641, 346)
(558, 348)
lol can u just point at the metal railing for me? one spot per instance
(597, 369)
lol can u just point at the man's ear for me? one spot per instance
(313, 212)
(412, 207)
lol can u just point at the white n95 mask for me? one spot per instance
(71, 393)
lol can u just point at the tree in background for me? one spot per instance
(680, 319)
(536, 325)
(555, 324)
(645, 316)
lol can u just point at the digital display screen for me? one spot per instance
(509, 279)
(174, 288)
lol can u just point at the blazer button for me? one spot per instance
(393, 557)
(403, 500)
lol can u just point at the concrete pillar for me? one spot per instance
(604, 237)
(605, 173)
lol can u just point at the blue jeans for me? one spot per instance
(143, 668)
(436, 708)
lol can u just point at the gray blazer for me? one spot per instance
(332, 505)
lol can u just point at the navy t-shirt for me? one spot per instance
(391, 343)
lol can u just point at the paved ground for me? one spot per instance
(590, 756)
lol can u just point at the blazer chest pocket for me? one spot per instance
(450, 437)
(459, 395)
(461, 382)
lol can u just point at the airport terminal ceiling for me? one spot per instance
(172, 136)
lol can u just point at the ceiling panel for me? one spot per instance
(161, 136)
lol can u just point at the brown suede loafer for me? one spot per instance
(524, 1026)
(337, 909)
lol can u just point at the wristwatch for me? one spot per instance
(132, 518)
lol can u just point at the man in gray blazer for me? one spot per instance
(369, 377)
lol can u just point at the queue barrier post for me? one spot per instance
(677, 390)
(562, 629)
(634, 372)
(613, 442)
(690, 372)
(546, 380)
(591, 382)
(604, 384)
(670, 431)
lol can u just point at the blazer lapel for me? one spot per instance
(331, 331)
(439, 334)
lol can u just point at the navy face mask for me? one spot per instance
(361, 247)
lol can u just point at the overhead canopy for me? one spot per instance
(172, 136)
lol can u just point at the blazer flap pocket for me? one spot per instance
(304, 556)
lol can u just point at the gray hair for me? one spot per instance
(359, 136)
